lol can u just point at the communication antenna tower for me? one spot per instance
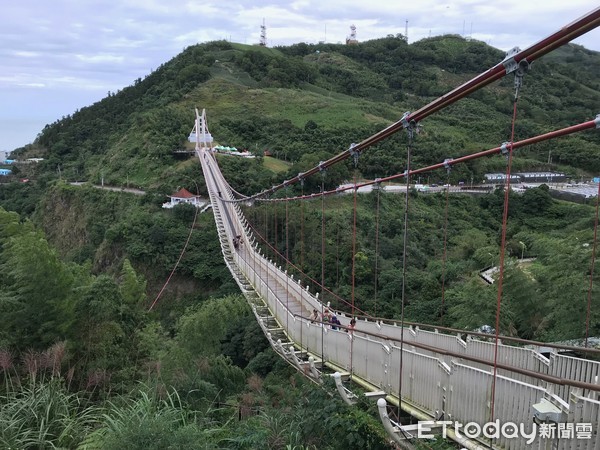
(352, 38)
(406, 31)
(263, 35)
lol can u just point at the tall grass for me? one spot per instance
(44, 415)
(145, 421)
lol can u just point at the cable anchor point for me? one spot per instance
(448, 164)
(509, 62)
(505, 148)
(322, 167)
(410, 125)
(301, 178)
(354, 153)
(520, 68)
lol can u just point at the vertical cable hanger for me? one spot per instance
(355, 155)
(519, 70)
(444, 257)
(302, 232)
(592, 264)
(378, 188)
(276, 242)
(287, 260)
(322, 265)
(411, 129)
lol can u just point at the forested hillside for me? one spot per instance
(84, 363)
(303, 99)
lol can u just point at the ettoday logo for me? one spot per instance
(508, 430)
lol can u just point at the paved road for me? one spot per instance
(111, 188)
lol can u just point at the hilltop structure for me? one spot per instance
(351, 40)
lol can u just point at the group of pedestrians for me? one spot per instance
(330, 319)
(237, 241)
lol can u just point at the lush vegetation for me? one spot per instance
(85, 364)
(544, 300)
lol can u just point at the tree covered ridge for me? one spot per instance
(347, 92)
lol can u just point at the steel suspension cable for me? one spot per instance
(266, 241)
(287, 265)
(300, 278)
(444, 257)
(322, 268)
(509, 149)
(588, 125)
(354, 247)
(276, 242)
(302, 234)
(411, 131)
(376, 249)
(353, 270)
(592, 264)
(337, 257)
(183, 250)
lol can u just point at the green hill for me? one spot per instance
(305, 98)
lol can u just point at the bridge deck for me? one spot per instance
(438, 375)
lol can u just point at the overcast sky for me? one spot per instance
(60, 55)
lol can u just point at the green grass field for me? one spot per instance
(275, 165)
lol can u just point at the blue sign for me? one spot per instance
(596, 180)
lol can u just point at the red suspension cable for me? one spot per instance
(287, 264)
(592, 264)
(354, 248)
(502, 253)
(376, 249)
(444, 257)
(588, 125)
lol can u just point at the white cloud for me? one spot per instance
(101, 58)
(33, 85)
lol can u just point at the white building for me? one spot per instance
(184, 196)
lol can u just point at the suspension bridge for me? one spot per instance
(444, 376)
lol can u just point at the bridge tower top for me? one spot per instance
(200, 134)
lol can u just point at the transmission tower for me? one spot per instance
(263, 35)
(352, 38)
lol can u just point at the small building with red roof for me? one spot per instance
(184, 196)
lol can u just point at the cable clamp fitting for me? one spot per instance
(410, 125)
(354, 153)
(301, 178)
(377, 184)
(509, 63)
(447, 164)
(522, 68)
(322, 167)
(404, 120)
(597, 121)
(504, 148)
